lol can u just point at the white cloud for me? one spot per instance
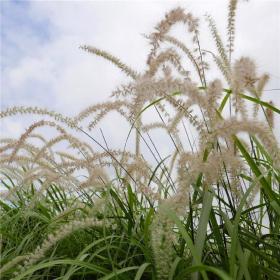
(54, 73)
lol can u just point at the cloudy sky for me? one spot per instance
(42, 65)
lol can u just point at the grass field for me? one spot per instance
(73, 208)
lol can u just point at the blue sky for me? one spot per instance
(17, 21)
(42, 65)
(21, 32)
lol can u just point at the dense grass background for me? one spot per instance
(230, 239)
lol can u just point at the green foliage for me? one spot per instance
(228, 241)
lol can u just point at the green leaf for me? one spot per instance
(32, 269)
(118, 272)
(196, 268)
(141, 271)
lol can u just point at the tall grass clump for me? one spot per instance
(74, 208)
